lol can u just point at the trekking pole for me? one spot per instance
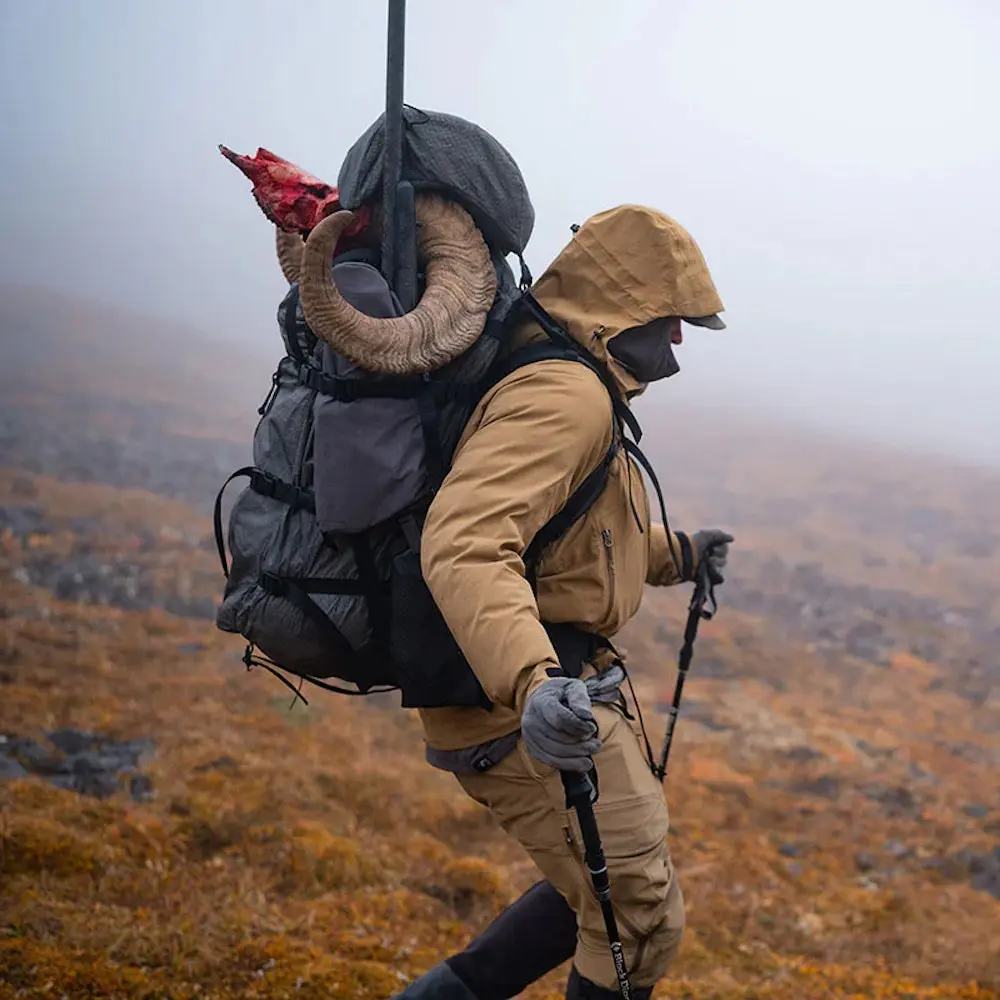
(581, 794)
(704, 593)
(399, 223)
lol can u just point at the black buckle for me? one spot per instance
(263, 483)
(273, 585)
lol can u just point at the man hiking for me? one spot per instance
(444, 501)
(622, 288)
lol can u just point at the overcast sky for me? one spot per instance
(839, 164)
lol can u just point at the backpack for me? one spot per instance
(324, 578)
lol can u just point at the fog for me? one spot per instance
(838, 163)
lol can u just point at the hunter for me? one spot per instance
(621, 288)
(536, 633)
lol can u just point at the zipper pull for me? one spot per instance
(606, 535)
(271, 394)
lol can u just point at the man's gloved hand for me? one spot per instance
(605, 688)
(558, 726)
(713, 544)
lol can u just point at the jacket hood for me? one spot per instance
(623, 268)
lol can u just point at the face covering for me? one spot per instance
(645, 351)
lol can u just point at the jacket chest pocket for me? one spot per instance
(608, 546)
(623, 519)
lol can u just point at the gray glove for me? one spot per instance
(558, 726)
(604, 689)
(712, 544)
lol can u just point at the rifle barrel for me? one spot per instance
(393, 154)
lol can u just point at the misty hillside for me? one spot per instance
(835, 805)
(100, 394)
(842, 545)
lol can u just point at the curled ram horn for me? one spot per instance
(290, 247)
(450, 316)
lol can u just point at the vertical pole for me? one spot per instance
(704, 592)
(581, 795)
(392, 162)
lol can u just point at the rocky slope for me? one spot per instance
(170, 828)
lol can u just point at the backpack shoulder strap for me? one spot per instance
(522, 356)
(586, 494)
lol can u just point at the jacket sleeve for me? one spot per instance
(663, 570)
(543, 429)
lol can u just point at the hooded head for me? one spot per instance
(627, 271)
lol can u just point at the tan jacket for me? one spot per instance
(531, 441)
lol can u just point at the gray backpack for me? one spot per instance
(324, 580)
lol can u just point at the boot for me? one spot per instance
(438, 984)
(578, 988)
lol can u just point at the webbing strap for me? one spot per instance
(430, 425)
(375, 592)
(579, 502)
(528, 355)
(348, 390)
(559, 336)
(279, 586)
(271, 486)
(266, 485)
(220, 540)
(291, 310)
(320, 585)
(633, 449)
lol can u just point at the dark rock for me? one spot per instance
(896, 800)
(32, 755)
(803, 754)
(826, 787)
(98, 785)
(72, 741)
(896, 849)
(976, 810)
(139, 750)
(985, 872)
(97, 763)
(11, 768)
(865, 862)
(90, 764)
(141, 788)
(790, 851)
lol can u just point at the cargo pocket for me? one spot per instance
(633, 822)
(429, 664)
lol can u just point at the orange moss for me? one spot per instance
(314, 854)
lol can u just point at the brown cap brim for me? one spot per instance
(713, 322)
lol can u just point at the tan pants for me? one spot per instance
(527, 799)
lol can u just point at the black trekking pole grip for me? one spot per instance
(581, 794)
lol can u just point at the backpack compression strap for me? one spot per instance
(267, 486)
(586, 494)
